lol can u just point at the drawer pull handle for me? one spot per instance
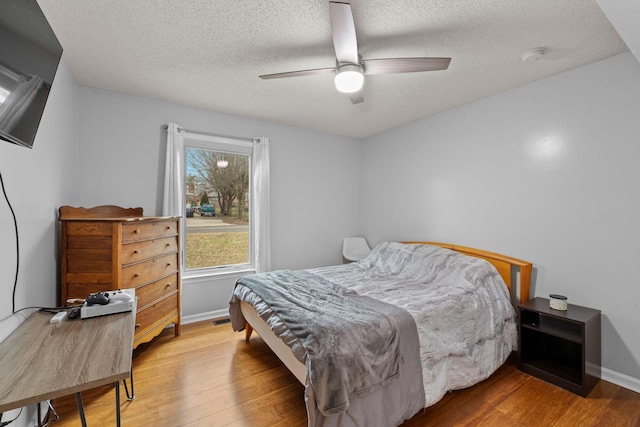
(168, 264)
(168, 285)
(137, 325)
(168, 244)
(136, 251)
(136, 231)
(168, 227)
(136, 275)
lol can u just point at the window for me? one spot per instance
(220, 186)
(9, 81)
(17, 92)
(217, 209)
(4, 94)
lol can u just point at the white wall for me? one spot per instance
(315, 178)
(625, 17)
(37, 182)
(547, 173)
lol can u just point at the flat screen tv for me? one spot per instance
(29, 57)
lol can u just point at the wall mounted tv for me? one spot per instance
(29, 57)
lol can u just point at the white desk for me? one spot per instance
(43, 361)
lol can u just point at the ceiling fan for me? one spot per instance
(350, 67)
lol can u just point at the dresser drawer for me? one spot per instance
(139, 251)
(83, 290)
(88, 261)
(89, 228)
(136, 231)
(148, 317)
(136, 274)
(147, 294)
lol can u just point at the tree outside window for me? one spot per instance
(217, 197)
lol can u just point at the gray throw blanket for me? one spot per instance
(352, 348)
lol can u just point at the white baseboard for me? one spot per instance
(209, 315)
(11, 323)
(620, 379)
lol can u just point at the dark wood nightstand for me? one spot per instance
(562, 347)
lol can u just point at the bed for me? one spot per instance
(375, 341)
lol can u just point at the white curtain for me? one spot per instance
(260, 196)
(173, 198)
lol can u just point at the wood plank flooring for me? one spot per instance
(208, 376)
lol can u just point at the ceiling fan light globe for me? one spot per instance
(349, 79)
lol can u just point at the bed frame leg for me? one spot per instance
(247, 331)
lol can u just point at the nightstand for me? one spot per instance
(561, 347)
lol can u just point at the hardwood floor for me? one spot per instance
(208, 376)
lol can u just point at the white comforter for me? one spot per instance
(461, 306)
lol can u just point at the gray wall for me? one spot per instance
(547, 173)
(315, 180)
(37, 182)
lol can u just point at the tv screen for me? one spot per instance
(29, 57)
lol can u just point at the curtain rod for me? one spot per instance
(165, 127)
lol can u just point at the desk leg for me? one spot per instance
(47, 418)
(80, 406)
(131, 395)
(117, 386)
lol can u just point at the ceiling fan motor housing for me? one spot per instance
(349, 78)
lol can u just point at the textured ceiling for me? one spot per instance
(209, 53)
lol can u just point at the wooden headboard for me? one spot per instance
(504, 264)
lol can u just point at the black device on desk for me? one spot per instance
(101, 298)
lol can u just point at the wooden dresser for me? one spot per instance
(109, 247)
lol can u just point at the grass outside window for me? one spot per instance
(217, 249)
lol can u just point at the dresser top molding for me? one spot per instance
(106, 213)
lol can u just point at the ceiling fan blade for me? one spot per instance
(357, 97)
(300, 73)
(404, 65)
(344, 32)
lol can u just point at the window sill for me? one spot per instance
(221, 273)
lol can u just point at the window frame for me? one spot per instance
(223, 145)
